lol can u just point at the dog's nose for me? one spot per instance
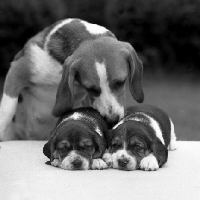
(112, 120)
(77, 163)
(123, 162)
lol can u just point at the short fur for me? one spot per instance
(140, 139)
(82, 126)
(56, 72)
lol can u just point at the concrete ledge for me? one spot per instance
(24, 176)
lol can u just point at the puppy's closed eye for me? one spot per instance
(87, 146)
(136, 148)
(63, 146)
(116, 144)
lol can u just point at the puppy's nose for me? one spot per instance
(123, 162)
(77, 163)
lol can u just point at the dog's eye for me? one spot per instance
(136, 147)
(87, 147)
(118, 84)
(116, 146)
(63, 148)
(93, 91)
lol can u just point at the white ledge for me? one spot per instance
(24, 175)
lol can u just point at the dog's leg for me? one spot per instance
(172, 145)
(7, 111)
(107, 157)
(16, 79)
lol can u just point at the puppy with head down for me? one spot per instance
(77, 142)
(140, 140)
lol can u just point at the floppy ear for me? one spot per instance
(49, 148)
(160, 151)
(65, 93)
(101, 143)
(135, 74)
(108, 137)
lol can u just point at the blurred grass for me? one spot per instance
(179, 96)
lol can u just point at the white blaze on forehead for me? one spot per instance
(80, 116)
(58, 26)
(94, 28)
(106, 100)
(7, 110)
(131, 118)
(76, 116)
(98, 130)
(151, 122)
(118, 124)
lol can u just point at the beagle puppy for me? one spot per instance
(70, 64)
(77, 142)
(140, 139)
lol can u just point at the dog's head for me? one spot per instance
(102, 67)
(131, 142)
(75, 144)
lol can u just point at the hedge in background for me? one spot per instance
(166, 33)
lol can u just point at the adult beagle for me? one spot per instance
(140, 139)
(70, 64)
(77, 142)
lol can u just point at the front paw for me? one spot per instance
(149, 163)
(99, 164)
(107, 157)
(55, 163)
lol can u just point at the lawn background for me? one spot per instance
(164, 33)
(179, 96)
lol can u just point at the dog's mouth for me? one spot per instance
(111, 122)
(112, 119)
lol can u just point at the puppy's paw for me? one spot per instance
(172, 146)
(107, 157)
(55, 163)
(149, 163)
(99, 164)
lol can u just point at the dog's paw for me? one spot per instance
(172, 146)
(149, 163)
(107, 157)
(99, 164)
(55, 163)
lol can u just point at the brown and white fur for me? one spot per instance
(78, 141)
(140, 139)
(70, 64)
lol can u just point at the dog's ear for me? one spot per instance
(65, 93)
(135, 74)
(159, 151)
(109, 137)
(101, 146)
(49, 148)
